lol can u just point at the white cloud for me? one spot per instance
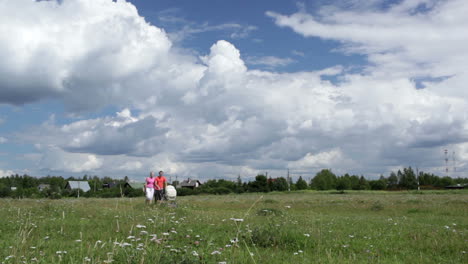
(55, 159)
(3, 140)
(6, 173)
(212, 116)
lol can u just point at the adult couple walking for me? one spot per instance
(155, 186)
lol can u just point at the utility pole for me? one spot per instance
(289, 182)
(417, 177)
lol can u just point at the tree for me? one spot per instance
(343, 182)
(301, 184)
(279, 184)
(324, 180)
(392, 180)
(363, 184)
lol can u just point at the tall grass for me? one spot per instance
(305, 227)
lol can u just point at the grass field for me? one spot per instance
(307, 227)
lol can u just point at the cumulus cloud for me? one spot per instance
(6, 173)
(212, 116)
(55, 159)
(3, 140)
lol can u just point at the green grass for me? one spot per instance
(301, 227)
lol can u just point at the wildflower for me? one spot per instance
(140, 226)
(295, 253)
(307, 235)
(78, 240)
(251, 254)
(351, 236)
(237, 219)
(60, 252)
(32, 247)
(143, 232)
(125, 244)
(345, 246)
(173, 231)
(288, 206)
(216, 252)
(300, 251)
(87, 259)
(130, 237)
(222, 262)
(165, 234)
(447, 227)
(194, 253)
(47, 237)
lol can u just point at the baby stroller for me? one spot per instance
(170, 195)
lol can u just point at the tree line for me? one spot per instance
(106, 187)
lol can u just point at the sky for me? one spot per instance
(216, 89)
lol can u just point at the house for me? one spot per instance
(189, 183)
(109, 185)
(43, 187)
(457, 186)
(134, 185)
(82, 185)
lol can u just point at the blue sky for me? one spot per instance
(216, 89)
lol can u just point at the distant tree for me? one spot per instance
(363, 184)
(279, 184)
(301, 184)
(324, 180)
(343, 182)
(392, 180)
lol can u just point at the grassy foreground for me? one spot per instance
(308, 227)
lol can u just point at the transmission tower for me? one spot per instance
(446, 163)
(454, 164)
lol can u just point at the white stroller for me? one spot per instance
(171, 194)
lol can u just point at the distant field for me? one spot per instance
(306, 227)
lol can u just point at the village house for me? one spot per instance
(43, 187)
(189, 183)
(74, 185)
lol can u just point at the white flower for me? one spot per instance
(78, 240)
(143, 232)
(237, 219)
(140, 226)
(300, 251)
(295, 253)
(165, 234)
(307, 235)
(251, 254)
(216, 252)
(87, 259)
(288, 206)
(194, 253)
(130, 237)
(447, 227)
(351, 236)
(60, 252)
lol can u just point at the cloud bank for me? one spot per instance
(212, 116)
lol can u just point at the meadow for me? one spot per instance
(298, 227)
